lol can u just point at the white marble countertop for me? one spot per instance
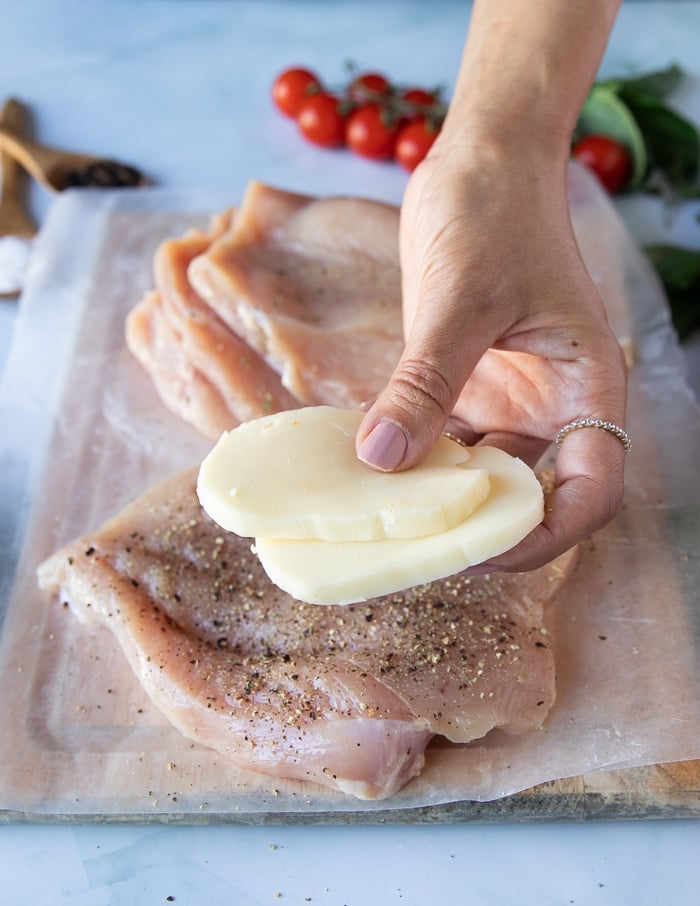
(180, 88)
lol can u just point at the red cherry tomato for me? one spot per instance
(607, 158)
(370, 134)
(292, 87)
(413, 142)
(419, 101)
(366, 87)
(321, 121)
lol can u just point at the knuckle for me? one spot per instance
(610, 501)
(601, 499)
(419, 387)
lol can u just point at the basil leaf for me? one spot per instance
(685, 315)
(654, 84)
(679, 267)
(679, 271)
(672, 141)
(605, 113)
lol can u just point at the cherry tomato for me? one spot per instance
(292, 87)
(413, 142)
(321, 121)
(419, 100)
(607, 158)
(370, 133)
(367, 86)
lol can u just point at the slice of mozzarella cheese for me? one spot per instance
(295, 475)
(322, 572)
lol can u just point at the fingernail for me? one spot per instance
(384, 447)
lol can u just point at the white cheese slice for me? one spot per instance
(322, 572)
(295, 475)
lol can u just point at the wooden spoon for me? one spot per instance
(58, 170)
(14, 219)
(16, 226)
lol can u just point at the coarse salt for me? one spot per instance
(14, 258)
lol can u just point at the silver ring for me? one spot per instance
(577, 423)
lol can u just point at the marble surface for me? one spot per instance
(180, 88)
(644, 864)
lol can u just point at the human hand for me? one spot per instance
(506, 337)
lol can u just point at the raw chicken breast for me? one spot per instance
(348, 697)
(202, 370)
(314, 286)
(296, 301)
(182, 387)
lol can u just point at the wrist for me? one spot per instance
(512, 151)
(525, 74)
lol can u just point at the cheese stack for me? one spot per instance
(330, 530)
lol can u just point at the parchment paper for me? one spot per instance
(83, 432)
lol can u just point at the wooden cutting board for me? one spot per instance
(80, 741)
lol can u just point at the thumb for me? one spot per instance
(408, 417)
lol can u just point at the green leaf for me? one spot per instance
(679, 270)
(605, 113)
(679, 267)
(685, 313)
(654, 84)
(672, 141)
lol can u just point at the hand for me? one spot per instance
(506, 336)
